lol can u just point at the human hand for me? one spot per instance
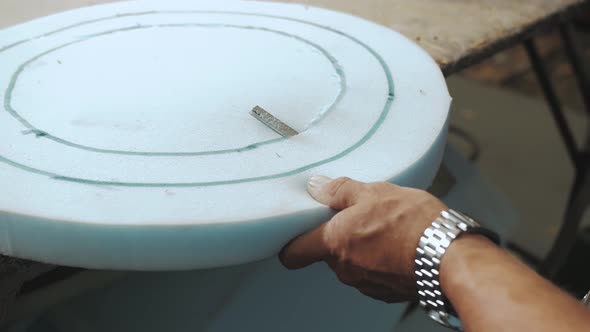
(371, 242)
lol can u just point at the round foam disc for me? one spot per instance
(128, 143)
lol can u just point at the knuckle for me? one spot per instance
(331, 240)
(345, 190)
(335, 236)
(340, 184)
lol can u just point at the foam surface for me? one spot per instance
(127, 139)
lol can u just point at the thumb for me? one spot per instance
(338, 194)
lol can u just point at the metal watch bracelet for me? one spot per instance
(432, 246)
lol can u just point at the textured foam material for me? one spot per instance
(127, 141)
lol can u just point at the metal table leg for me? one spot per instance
(579, 198)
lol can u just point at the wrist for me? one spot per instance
(466, 250)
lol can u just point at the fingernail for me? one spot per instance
(316, 183)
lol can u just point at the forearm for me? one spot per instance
(492, 291)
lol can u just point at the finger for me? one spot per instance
(318, 244)
(337, 194)
(305, 249)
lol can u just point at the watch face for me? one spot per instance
(127, 138)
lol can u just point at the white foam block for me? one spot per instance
(127, 141)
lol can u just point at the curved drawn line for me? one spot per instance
(27, 124)
(363, 140)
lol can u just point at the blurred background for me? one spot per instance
(500, 104)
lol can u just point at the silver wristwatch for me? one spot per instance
(432, 246)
